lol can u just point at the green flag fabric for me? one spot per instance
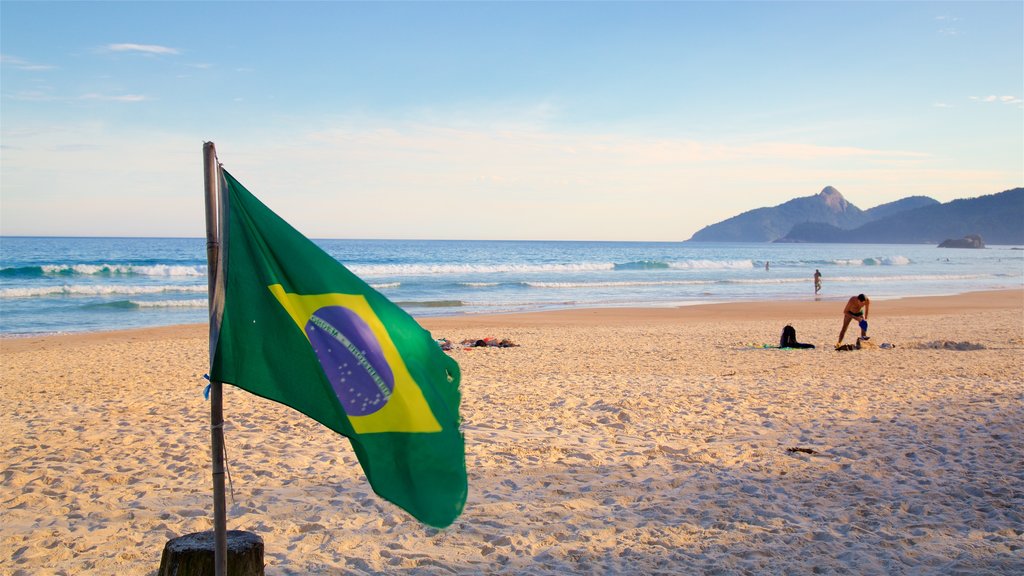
(297, 327)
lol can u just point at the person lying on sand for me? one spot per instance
(489, 341)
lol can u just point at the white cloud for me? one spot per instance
(480, 182)
(475, 181)
(948, 30)
(22, 64)
(113, 98)
(33, 96)
(144, 48)
(995, 98)
(38, 96)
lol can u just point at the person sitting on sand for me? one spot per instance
(856, 308)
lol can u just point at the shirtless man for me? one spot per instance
(856, 309)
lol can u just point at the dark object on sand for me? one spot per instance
(192, 555)
(804, 450)
(788, 339)
(489, 342)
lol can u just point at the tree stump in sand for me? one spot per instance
(192, 555)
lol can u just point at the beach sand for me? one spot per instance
(622, 441)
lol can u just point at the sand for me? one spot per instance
(623, 441)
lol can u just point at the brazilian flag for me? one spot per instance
(297, 327)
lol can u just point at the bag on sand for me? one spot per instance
(788, 339)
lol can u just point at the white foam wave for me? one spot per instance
(712, 264)
(876, 261)
(438, 269)
(95, 290)
(758, 281)
(614, 284)
(910, 278)
(170, 303)
(479, 284)
(767, 281)
(125, 269)
(514, 304)
(385, 285)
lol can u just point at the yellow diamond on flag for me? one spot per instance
(362, 364)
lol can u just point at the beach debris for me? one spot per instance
(865, 344)
(488, 342)
(804, 450)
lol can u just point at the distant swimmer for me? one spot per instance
(857, 307)
(765, 265)
(817, 281)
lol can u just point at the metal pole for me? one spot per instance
(220, 533)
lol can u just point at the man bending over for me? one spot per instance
(856, 309)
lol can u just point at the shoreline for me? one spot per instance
(783, 310)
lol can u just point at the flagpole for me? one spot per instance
(220, 541)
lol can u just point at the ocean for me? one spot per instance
(68, 285)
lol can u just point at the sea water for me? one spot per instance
(63, 285)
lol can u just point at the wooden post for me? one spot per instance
(212, 178)
(207, 553)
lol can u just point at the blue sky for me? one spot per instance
(499, 120)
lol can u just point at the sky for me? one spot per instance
(635, 121)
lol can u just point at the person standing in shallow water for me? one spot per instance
(817, 281)
(857, 308)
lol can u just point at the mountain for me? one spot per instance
(768, 224)
(997, 218)
(908, 203)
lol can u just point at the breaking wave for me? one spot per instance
(438, 269)
(367, 270)
(642, 265)
(877, 261)
(432, 304)
(95, 290)
(615, 284)
(103, 270)
(712, 264)
(135, 304)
